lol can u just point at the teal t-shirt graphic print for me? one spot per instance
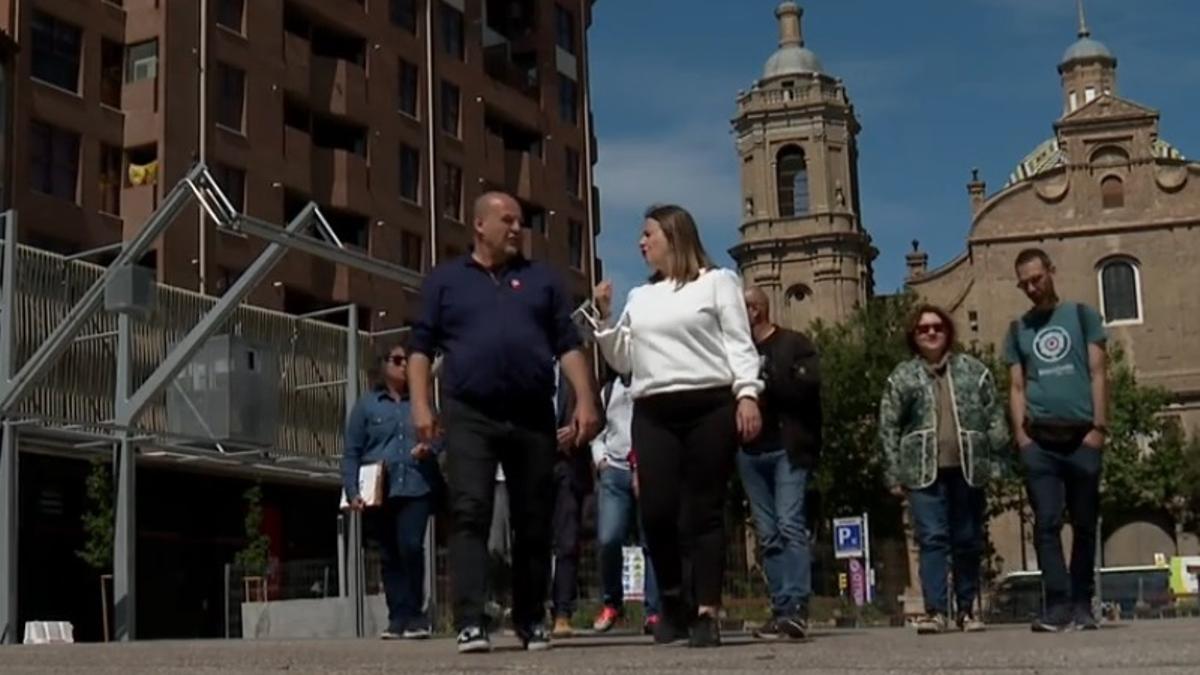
(1052, 347)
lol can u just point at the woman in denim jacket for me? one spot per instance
(380, 430)
(943, 430)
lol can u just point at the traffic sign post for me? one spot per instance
(848, 537)
(852, 541)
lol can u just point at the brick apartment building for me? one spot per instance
(392, 115)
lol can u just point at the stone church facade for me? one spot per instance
(1117, 208)
(801, 239)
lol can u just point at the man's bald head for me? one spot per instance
(758, 307)
(497, 224)
(490, 201)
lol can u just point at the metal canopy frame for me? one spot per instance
(198, 185)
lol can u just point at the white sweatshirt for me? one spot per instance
(614, 441)
(692, 337)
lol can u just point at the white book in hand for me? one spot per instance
(370, 485)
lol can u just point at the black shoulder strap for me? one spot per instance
(606, 393)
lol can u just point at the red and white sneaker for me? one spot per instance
(606, 619)
(649, 625)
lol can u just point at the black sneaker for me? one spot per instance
(769, 630)
(706, 632)
(672, 621)
(535, 638)
(1054, 620)
(473, 640)
(793, 627)
(1083, 618)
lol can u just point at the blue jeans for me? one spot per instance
(948, 519)
(776, 489)
(614, 513)
(399, 527)
(1070, 479)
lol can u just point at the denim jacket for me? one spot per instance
(380, 429)
(908, 423)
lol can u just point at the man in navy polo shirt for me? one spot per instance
(499, 321)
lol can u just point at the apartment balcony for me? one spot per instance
(340, 179)
(139, 101)
(137, 203)
(297, 155)
(523, 173)
(339, 87)
(492, 170)
(297, 59)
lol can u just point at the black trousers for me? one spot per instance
(524, 444)
(685, 444)
(568, 512)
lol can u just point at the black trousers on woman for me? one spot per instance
(686, 443)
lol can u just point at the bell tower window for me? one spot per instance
(791, 175)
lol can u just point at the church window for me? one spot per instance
(1074, 99)
(1089, 94)
(1120, 291)
(1112, 192)
(791, 182)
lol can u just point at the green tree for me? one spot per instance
(254, 557)
(857, 357)
(99, 520)
(1145, 466)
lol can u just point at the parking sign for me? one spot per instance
(848, 537)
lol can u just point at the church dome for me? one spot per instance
(792, 57)
(1085, 48)
(792, 60)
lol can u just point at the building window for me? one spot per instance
(410, 173)
(452, 191)
(564, 23)
(110, 179)
(1074, 100)
(568, 100)
(112, 65)
(409, 86)
(53, 160)
(403, 13)
(231, 96)
(233, 183)
(1121, 291)
(142, 61)
(412, 249)
(536, 221)
(575, 244)
(1089, 94)
(573, 173)
(450, 108)
(230, 13)
(792, 182)
(56, 53)
(1112, 192)
(452, 30)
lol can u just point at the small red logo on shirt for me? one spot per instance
(515, 283)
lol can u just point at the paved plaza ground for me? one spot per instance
(1136, 647)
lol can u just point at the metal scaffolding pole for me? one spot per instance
(9, 466)
(183, 352)
(61, 339)
(355, 554)
(125, 537)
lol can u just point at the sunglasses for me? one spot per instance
(397, 359)
(931, 328)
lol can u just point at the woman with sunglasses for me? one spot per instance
(943, 432)
(380, 430)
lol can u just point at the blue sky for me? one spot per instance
(940, 86)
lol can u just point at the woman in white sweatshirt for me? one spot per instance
(685, 338)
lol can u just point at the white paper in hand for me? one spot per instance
(370, 485)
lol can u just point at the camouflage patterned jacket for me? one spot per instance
(908, 423)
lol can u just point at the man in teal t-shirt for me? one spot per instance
(1058, 399)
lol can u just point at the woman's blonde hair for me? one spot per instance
(685, 253)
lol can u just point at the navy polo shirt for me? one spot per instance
(499, 331)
